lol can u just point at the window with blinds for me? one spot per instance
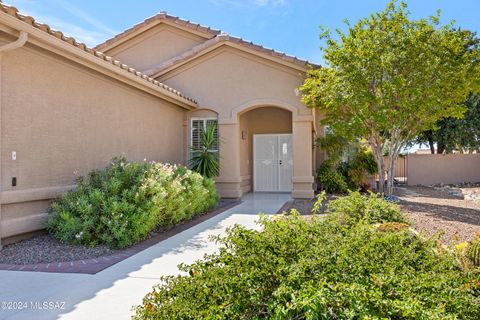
(197, 127)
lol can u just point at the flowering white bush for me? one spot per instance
(122, 204)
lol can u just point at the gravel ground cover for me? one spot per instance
(434, 211)
(304, 206)
(46, 249)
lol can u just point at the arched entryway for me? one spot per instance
(266, 152)
(237, 130)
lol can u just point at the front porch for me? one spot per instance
(266, 148)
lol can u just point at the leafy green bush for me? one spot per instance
(338, 176)
(296, 268)
(122, 204)
(361, 163)
(371, 208)
(330, 180)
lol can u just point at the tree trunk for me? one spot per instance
(377, 152)
(394, 150)
(440, 147)
(377, 148)
(391, 173)
(429, 136)
(381, 176)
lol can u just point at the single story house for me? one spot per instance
(66, 109)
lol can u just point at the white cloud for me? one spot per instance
(92, 32)
(89, 37)
(79, 13)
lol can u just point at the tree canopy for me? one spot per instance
(452, 134)
(389, 78)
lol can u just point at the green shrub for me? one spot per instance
(354, 170)
(371, 208)
(294, 268)
(122, 204)
(361, 163)
(330, 180)
(336, 176)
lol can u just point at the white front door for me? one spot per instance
(272, 162)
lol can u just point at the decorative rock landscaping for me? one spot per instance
(45, 254)
(439, 211)
(45, 249)
(467, 191)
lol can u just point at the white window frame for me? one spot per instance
(204, 119)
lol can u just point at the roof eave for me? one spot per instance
(196, 55)
(85, 57)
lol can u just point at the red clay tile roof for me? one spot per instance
(161, 16)
(12, 11)
(215, 36)
(154, 71)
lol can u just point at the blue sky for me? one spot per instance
(290, 26)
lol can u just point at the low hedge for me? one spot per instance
(122, 204)
(320, 268)
(371, 208)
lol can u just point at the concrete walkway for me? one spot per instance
(111, 294)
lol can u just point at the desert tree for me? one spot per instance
(389, 77)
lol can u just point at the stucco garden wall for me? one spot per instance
(63, 120)
(428, 169)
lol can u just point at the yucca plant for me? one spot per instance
(205, 159)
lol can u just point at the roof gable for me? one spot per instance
(11, 17)
(147, 24)
(154, 46)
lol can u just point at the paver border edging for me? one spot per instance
(95, 265)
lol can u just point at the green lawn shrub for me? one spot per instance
(340, 176)
(319, 268)
(122, 204)
(359, 164)
(330, 179)
(372, 208)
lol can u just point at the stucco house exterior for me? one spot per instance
(66, 109)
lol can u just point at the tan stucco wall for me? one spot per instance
(231, 82)
(259, 121)
(154, 46)
(319, 155)
(428, 169)
(64, 120)
(226, 79)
